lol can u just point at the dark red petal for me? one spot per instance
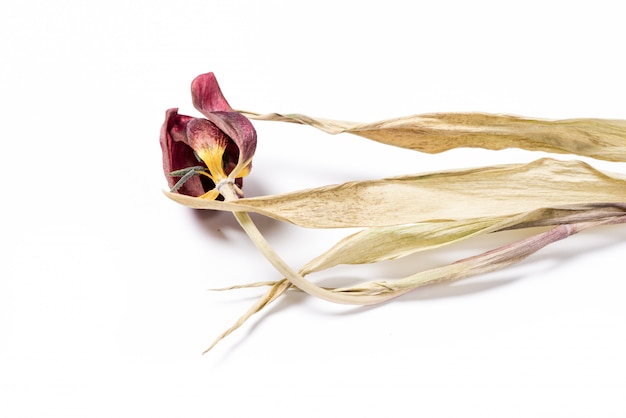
(207, 96)
(203, 134)
(177, 154)
(209, 100)
(240, 131)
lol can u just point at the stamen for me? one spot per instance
(183, 171)
(214, 170)
(186, 173)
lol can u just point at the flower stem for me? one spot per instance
(227, 189)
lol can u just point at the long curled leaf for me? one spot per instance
(603, 139)
(454, 195)
(480, 264)
(376, 244)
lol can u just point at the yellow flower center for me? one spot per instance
(213, 158)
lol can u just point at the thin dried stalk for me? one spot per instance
(230, 194)
(481, 192)
(275, 291)
(603, 139)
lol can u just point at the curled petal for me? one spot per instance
(240, 130)
(204, 135)
(177, 154)
(207, 96)
(176, 125)
(209, 100)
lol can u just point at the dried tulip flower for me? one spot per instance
(405, 214)
(223, 144)
(205, 153)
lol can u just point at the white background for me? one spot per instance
(104, 301)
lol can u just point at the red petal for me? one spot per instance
(239, 129)
(209, 100)
(177, 154)
(207, 96)
(203, 134)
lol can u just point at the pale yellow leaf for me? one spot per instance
(480, 264)
(376, 244)
(454, 195)
(603, 139)
(390, 242)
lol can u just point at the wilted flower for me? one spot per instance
(403, 215)
(204, 153)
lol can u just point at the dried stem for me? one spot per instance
(229, 193)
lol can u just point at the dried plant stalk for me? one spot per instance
(603, 139)
(482, 192)
(275, 291)
(228, 190)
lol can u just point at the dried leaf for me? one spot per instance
(376, 244)
(454, 195)
(603, 139)
(484, 263)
